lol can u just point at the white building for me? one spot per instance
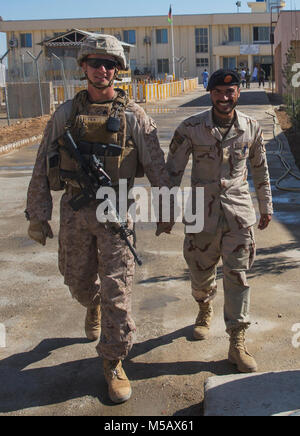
(265, 5)
(203, 41)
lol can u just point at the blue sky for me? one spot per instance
(37, 9)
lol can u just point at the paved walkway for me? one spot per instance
(48, 368)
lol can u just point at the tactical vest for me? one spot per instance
(88, 124)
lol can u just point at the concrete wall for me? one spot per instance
(24, 99)
(287, 32)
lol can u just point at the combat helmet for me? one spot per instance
(103, 44)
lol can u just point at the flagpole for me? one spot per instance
(173, 49)
(172, 36)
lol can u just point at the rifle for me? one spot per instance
(91, 177)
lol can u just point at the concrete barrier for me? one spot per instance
(24, 99)
(4, 149)
(139, 91)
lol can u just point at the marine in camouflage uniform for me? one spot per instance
(96, 264)
(221, 141)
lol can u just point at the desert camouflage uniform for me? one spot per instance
(220, 166)
(88, 249)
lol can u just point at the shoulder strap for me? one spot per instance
(121, 101)
(79, 102)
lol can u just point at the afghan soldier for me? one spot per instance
(221, 140)
(87, 248)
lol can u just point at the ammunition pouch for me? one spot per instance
(53, 171)
(91, 131)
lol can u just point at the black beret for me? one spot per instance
(223, 78)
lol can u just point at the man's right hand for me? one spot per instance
(39, 231)
(162, 227)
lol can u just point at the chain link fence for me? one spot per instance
(35, 85)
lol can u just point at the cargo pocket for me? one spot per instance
(205, 152)
(240, 152)
(53, 171)
(252, 249)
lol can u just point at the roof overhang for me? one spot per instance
(74, 38)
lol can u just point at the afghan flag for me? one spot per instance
(170, 18)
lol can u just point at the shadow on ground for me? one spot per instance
(265, 395)
(23, 388)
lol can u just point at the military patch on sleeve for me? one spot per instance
(176, 142)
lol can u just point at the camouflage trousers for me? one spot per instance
(203, 251)
(98, 267)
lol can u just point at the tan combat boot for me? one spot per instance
(238, 353)
(202, 324)
(119, 389)
(93, 323)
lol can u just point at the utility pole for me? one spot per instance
(35, 59)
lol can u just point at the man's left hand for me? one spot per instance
(264, 221)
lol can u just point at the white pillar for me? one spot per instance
(250, 62)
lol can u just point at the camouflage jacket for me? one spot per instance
(140, 129)
(220, 166)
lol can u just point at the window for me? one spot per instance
(129, 36)
(234, 34)
(133, 64)
(26, 40)
(202, 62)
(162, 36)
(229, 63)
(163, 66)
(201, 36)
(261, 34)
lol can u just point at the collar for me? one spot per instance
(238, 128)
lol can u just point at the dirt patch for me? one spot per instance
(292, 134)
(23, 129)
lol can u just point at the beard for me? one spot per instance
(225, 111)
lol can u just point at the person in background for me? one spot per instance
(261, 77)
(243, 77)
(248, 78)
(255, 74)
(205, 76)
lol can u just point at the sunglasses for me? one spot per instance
(97, 63)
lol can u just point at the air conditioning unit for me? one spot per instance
(13, 43)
